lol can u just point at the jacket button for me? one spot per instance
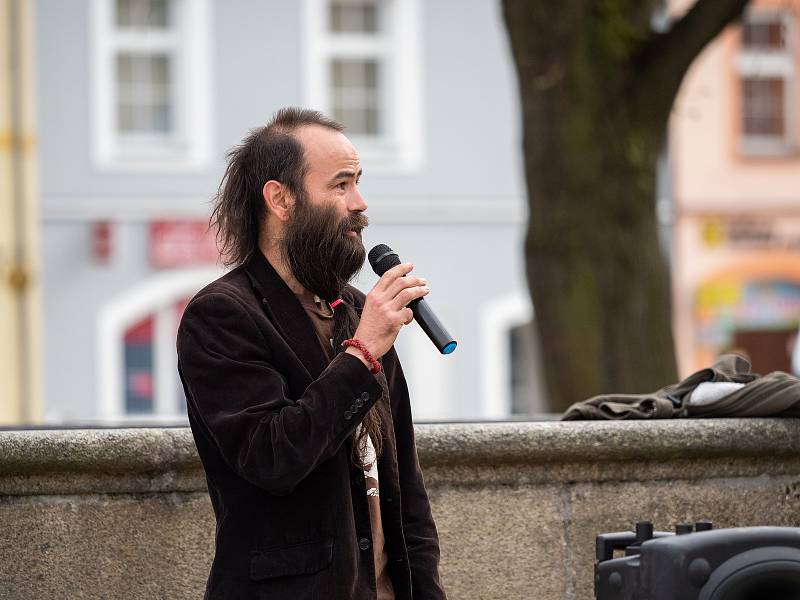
(347, 415)
(364, 544)
(359, 403)
(353, 408)
(365, 395)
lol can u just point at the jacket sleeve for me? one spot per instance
(419, 530)
(242, 401)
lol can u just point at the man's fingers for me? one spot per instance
(407, 295)
(399, 284)
(392, 275)
(409, 315)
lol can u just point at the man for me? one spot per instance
(296, 398)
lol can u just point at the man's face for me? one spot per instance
(322, 240)
(332, 170)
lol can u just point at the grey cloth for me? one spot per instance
(774, 394)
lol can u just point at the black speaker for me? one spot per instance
(746, 563)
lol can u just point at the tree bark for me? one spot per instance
(591, 138)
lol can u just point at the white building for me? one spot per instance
(140, 99)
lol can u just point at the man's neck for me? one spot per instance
(272, 252)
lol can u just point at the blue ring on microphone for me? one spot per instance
(449, 348)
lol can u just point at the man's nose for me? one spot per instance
(356, 202)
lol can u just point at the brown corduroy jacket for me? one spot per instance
(272, 422)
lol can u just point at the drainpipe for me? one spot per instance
(20, 351)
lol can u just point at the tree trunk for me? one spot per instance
(598, 281)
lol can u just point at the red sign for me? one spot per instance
(181, 244)
(102, 242)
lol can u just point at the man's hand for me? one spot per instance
(385, 310)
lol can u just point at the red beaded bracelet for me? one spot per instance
(376, 366)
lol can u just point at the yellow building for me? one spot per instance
(20, 314)
(735, 151)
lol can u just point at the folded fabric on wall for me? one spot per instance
(702, 394)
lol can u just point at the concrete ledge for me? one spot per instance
(604, 441)
(164, 459)
(96, 450)
(110, 513)
(146, 449)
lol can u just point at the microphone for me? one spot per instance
(382, 258)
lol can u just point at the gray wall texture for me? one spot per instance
(124, 513)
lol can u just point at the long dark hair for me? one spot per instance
(267, 153)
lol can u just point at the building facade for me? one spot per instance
(735, 153)
(139, 101)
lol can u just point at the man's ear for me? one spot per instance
(278, 199)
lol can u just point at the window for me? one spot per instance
(149, 365)
(766, 72)
(512, 383)
(136, 356)
(151, 108)
(523, 371)
(362, 70)
(139, 393)
(354, 89)
(764, 102)
(765, 33)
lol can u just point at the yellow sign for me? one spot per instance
(719, 293)
(713, 233)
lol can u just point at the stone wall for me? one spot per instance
(124, 513)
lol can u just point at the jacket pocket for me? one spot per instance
(298, 559)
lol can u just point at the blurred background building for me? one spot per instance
(140, 99)
(735, 154)
(137, 101)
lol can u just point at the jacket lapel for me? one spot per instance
(287, 314)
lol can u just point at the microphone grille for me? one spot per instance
(382, 258)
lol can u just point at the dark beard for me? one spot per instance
(322, 258)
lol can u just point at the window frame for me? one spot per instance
(496, 320)
(188, 45)
(156, 296)
(754, 63)
(397, 49)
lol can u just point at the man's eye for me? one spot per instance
(342, 186)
